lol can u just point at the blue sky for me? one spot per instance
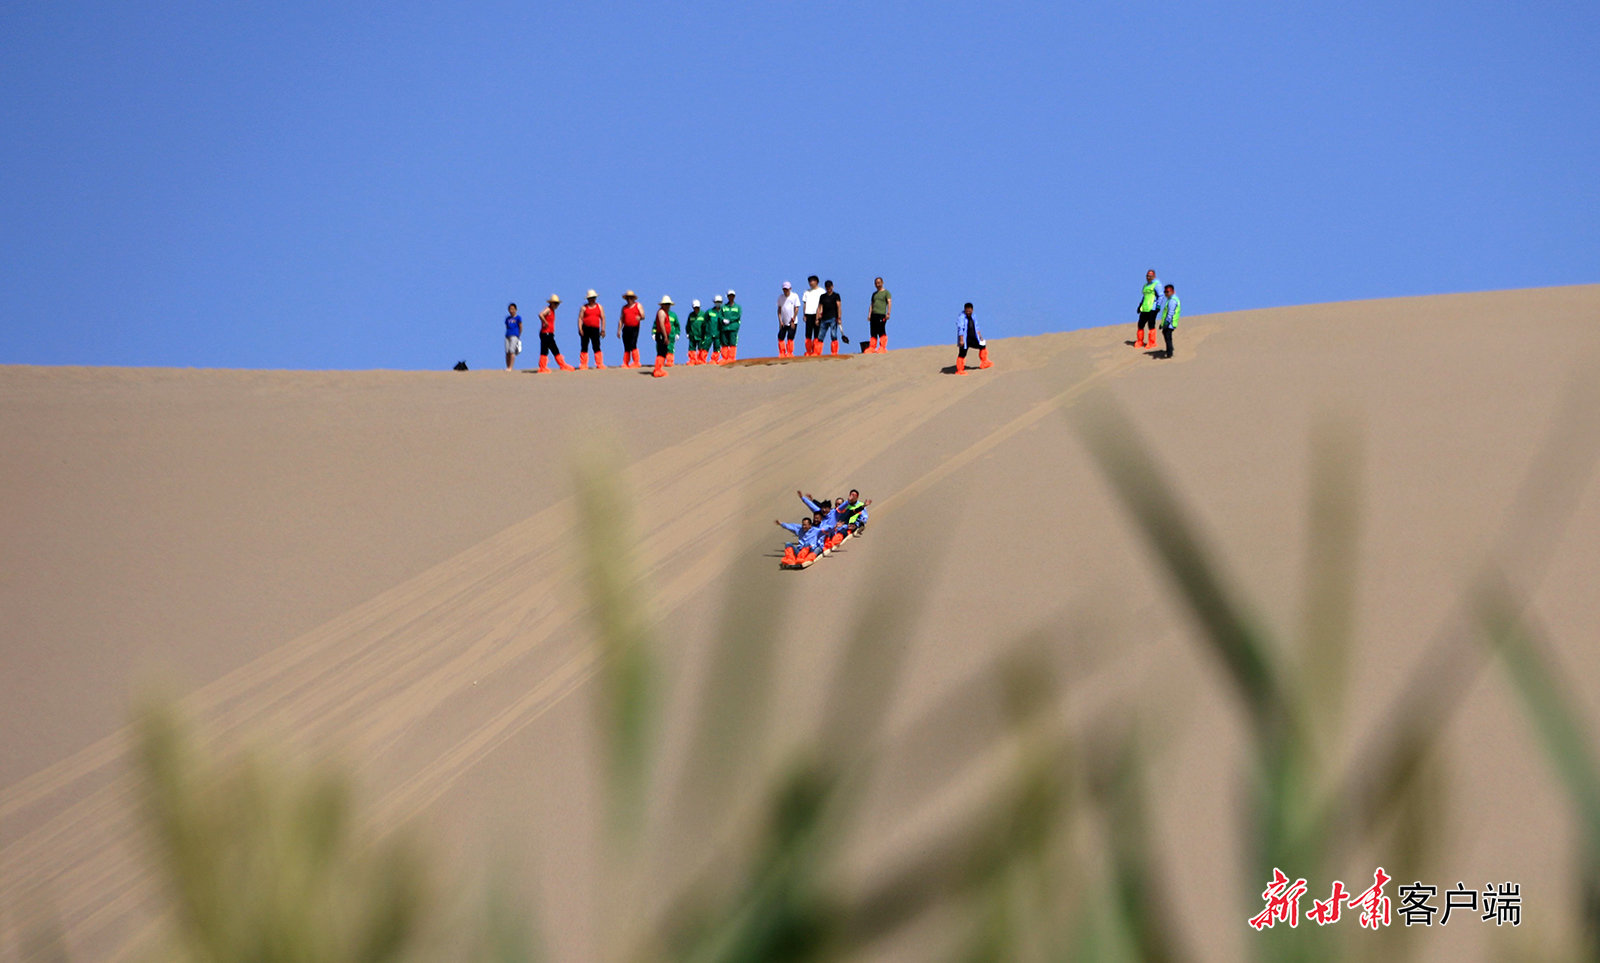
(339, 185)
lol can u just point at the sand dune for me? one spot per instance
(381, 566)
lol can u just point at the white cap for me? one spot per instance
(717, 299)
(786, 285)
(695, 303)
(732, 292)
(666, 299)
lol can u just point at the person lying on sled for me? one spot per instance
(807, 548)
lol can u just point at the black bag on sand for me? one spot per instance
(460, 366)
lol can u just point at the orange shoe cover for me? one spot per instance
(961, 365)
(562, 364)
(983, 358)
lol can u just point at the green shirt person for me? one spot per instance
(714, 331)
(1171, 309)
(731, 313)
(878, 317)
(1150, 304)
(694, 327)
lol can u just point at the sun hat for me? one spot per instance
(591, 294)
(554, 299)
(666, 299)
(629, 294)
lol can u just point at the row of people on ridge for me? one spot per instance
(713, 333)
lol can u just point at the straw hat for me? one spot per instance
(666, 299)
(591, 294)
(554, 299)
(629, 294)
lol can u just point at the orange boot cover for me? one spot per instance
(983, 358)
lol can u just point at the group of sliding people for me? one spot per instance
(713, 333)
(831, 521)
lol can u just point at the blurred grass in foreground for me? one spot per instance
(266, 863)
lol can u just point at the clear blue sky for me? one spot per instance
(338, 185)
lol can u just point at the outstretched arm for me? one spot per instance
(809, 501)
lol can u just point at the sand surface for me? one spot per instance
(383, 566)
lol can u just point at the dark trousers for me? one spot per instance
(661, 344)
(786, 332)
(547, 345)
(1147, 319)
(811, 327)
(630, 338)
(588, 336)
(879, 324)
(1167, 333)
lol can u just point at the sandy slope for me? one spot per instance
(381, 565)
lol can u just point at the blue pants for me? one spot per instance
(829, 330)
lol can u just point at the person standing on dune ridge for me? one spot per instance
(1149, 309)
(713, 352)
(788, 318)
(665, 321)
(731, 313)
(694, 329)
(878, 317)
(1171, 308)
(628, 330)
(828, 324)
(547, 337)
(591, 330)
(513, 334)
(967, 335)
(813, 302)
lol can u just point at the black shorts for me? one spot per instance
(811, 327)
(1147, 319)
(587, 336)
(879, 324)
(661, 344)
(630, 338)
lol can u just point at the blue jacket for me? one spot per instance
(961, 327)
(810, 538)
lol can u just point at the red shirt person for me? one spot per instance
(632, 314)
(591, 330)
